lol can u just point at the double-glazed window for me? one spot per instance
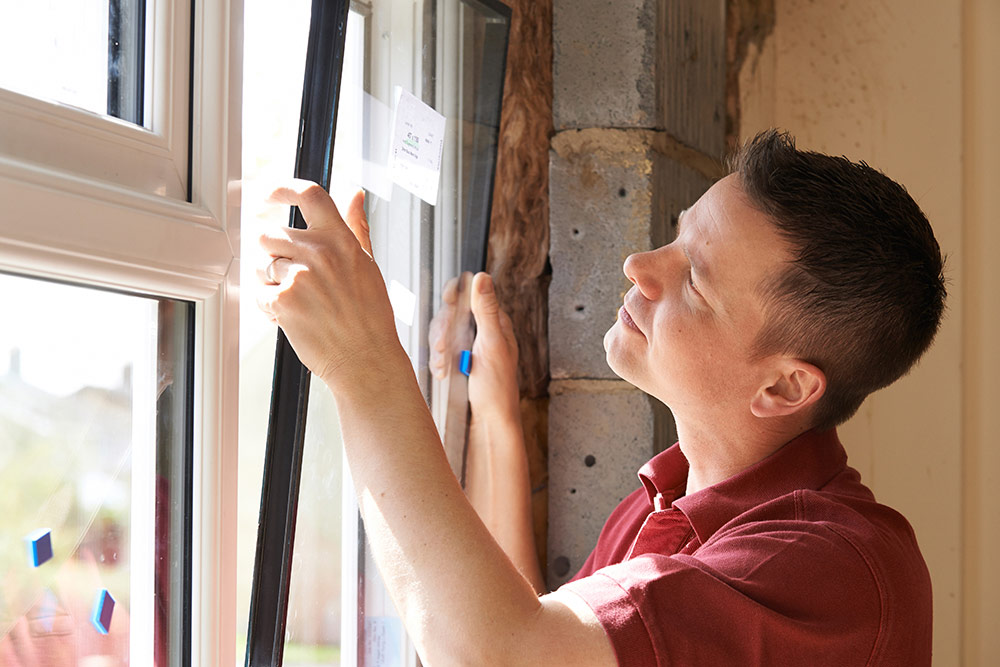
(118, 342)
(402, 61)
(95, 439)
(123, 349)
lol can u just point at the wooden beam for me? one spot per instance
(519, 234)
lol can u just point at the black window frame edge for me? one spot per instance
(488, 111)
(187, 563)
(290, 383)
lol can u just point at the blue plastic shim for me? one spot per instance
(39, 546)
(104, 606)
(465, 362)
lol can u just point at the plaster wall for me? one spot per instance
(906, 86)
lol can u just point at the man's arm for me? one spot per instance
(461, 598)
(496, 471)
(498, 486)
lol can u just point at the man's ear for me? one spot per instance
(794, 386)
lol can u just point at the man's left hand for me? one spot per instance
(323, 288)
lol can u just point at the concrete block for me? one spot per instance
(604, 55)
(652, 64)
(612, 193)
(600, 433)
(601, 210)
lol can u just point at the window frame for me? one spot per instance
(155, 158)
(97, 201)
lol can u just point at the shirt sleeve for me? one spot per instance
(782, 592)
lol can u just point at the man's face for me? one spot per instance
(688, 323)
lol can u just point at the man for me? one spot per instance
(797, 285)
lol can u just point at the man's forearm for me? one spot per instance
(498, 486)
(432, 549)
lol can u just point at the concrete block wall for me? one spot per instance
(639, 99)
(594, 467)
(601, 202)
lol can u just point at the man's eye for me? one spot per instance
(691, 283)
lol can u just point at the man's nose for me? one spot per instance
(639, 268)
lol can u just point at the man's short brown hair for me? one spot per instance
(864, 294)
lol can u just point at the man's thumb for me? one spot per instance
(484, 302)
(358, 222)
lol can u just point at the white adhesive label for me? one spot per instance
(403, 301)
(383, 644)
(417, 146)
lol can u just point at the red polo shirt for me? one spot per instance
(790, 562)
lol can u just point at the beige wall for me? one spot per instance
(911, 87)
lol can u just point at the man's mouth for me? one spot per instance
(627, 319)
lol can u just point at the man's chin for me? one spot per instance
(616, 362)
(630, 370)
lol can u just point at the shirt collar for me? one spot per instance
(809, 461)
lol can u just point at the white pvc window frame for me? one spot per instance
(152, 158)
(97, 201)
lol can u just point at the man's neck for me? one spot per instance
(717, 454)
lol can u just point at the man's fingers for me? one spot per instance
(277, 243)
(319, 211)
(316, 205)
(266, 297)
(450, 293)
(358, 222)
(464, 283)
(275, 271)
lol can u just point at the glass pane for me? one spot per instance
(94, 476)
(481, 37)
(313, 631)
(88, 54)
(315, 611)
(449, 55)
(272, 95)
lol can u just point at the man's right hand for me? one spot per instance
(493, 392)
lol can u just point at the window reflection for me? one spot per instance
(93, 470)
(89, 55)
